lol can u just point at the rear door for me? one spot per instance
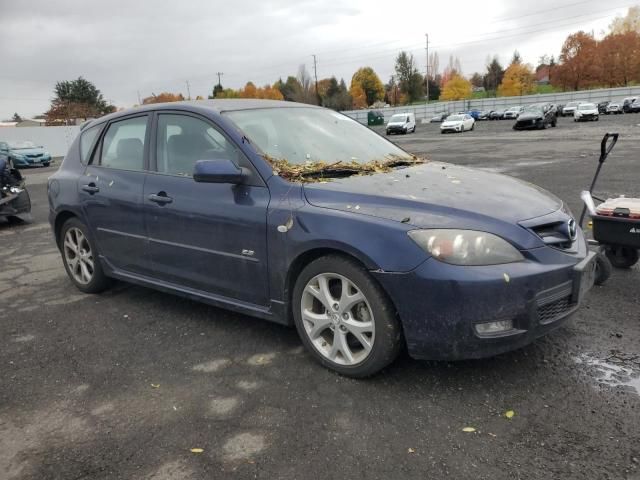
(209, 237)
(111, 193)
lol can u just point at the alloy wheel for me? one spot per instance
(337, 319)
(78, 256)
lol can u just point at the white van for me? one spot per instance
(402, 123)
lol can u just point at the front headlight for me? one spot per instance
(466, 247)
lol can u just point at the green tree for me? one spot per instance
(409, 79)
(493, 77)
(77, 99)
(368, 81)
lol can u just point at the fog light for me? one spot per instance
(494, 327)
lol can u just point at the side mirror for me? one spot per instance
(218, 171)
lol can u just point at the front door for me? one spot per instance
(111, 194)
(205, 236)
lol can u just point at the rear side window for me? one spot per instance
(123, 144)
(87, 139)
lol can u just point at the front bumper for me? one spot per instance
(528, 124)
(396, 129)
(439, 304)
(588, 116)
(457, 128)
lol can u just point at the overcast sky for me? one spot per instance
(126, 47)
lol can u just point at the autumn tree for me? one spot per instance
(164, 97)
(619, 59)
(456, 88)
(629, 23)
(577, 68)
(367, 80)
(76, 99)
(358, 96)
(518, 80)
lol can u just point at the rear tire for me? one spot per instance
(81, 259)
(336, 337)
(622, 257)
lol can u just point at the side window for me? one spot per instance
(182, 140)
(87, 138)
(123, 144)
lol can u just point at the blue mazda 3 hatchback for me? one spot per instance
(300, 215)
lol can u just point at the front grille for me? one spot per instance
(554, 234)
(34, 155)
(552, 311)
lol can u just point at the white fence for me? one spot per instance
(425, 111)
(56, 140)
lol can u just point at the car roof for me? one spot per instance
(218, 106)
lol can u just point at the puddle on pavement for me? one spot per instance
(611, 373)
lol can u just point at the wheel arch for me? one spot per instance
(59, 221)
(306, 257)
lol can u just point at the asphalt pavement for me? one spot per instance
(124, 385)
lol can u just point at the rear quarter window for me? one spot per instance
(87, 141)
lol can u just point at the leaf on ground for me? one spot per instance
(197, 450)
(155, 385)
(468, 429)
(411, 450)
(509, 414)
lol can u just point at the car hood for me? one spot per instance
(26, 151)
(588, 112)
(395, 124)
(451, 123)
(437, 195)
(529, 116)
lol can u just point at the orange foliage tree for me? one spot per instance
(578, 66)
(456, 88)
(164, 97)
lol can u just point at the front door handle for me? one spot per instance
(160, 198)
(91, 188)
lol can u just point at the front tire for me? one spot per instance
(80, 258)
(344, 318)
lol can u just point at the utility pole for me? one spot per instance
(139, 101)
(220, 74)
(315, 74)
(188, 90)
(427, 37)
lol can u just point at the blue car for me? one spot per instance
(302, 216)
(24, 154)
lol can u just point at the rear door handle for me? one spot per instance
(91, 188)
(160, 198)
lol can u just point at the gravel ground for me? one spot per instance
(125, 384)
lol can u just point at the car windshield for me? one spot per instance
(303, 135)
(514, 109)
(587, 106)
(533, 109)
(398, 118)
(572, 104)
(455, 118)
(21, 145)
